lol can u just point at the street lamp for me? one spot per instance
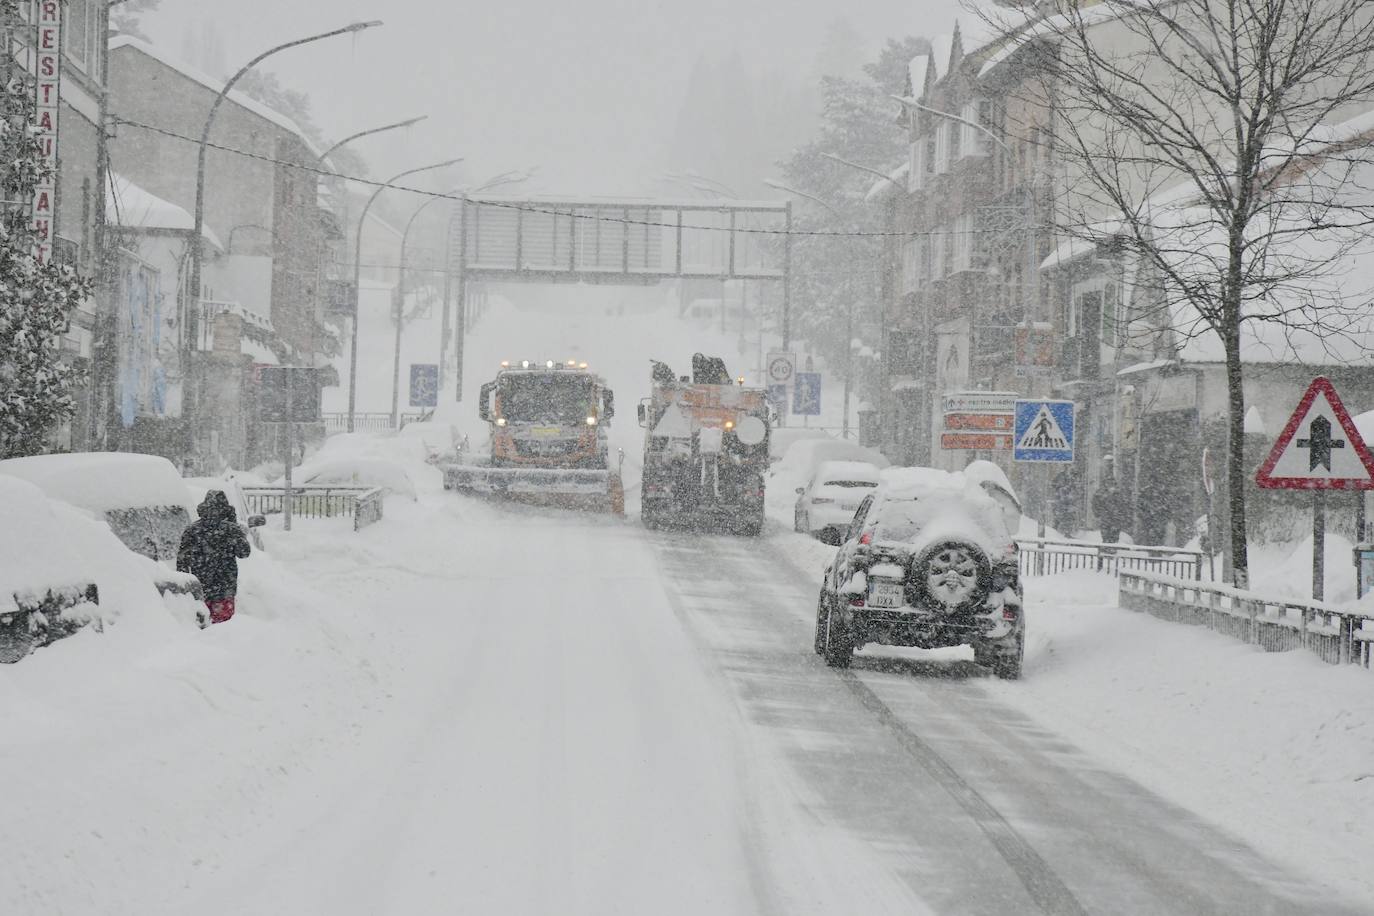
(357, 277)
(779, 186)
(369, 132)
(198, 227)
(445, 326)
(849, 306)
(503, 179)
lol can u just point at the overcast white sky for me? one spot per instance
(586, 89)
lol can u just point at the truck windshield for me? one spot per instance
(547, 397)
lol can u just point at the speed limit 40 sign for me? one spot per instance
(781, 367)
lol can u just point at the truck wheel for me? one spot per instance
(16, 639)
(650, 515)
(839, 645)
(1005, 666)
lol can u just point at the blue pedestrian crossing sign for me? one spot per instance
(1043, 431)
(424, 384)
(806, 394)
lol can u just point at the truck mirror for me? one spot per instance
(484, 402)
(642, 415)
(608, 404)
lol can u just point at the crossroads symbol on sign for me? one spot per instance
(1320, 442)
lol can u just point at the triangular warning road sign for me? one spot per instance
(1044, 432)
(1319, 449)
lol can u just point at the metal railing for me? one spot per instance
(1044, 557)
(366, 422)
(1335, 635)
(362, 504)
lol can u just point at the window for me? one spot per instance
(1113, 318)
(910, 255)
(937, 253)
(915, 178)
(81, 24)
(942, 148)
(974, 142)
(961, 244)
(955, 131)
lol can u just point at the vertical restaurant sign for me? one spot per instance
(48, 74)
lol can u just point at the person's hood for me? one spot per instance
(216, 507)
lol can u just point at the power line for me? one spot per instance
(571, 214)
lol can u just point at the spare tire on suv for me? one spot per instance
(952, 574)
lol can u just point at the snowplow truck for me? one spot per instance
(548, 442)
(705, 450)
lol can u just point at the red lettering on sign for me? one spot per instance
(47, 93)
(47, 65)
(46, 120)
(49, 11)
(42, 201)
(42, 228)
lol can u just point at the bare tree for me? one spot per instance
(1200, 136)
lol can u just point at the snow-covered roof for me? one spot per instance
(132, 207)
(214, 85)
(895, 181)
(1048, 27)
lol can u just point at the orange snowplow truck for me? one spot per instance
(548, 442)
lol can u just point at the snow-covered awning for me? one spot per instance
(132, 207)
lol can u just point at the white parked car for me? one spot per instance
(826, 505)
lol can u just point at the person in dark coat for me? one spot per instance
(211, 549)
(1109, 505)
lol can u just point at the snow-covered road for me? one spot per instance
(523, 711)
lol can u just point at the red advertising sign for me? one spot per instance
(48, 89)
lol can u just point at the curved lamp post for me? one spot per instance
(357, 278)
(198, 228)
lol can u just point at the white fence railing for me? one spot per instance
(1045, 557)
(1336, 635)
(362, 504)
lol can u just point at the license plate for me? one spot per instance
(885, 594)
(544, 432)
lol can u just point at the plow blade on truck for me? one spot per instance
(598, 490)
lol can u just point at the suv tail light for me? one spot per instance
(867, 538)
(1009, 612)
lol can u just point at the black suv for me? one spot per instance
(929, 561)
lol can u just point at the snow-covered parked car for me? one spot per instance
(826, 505)
(928, 561)
(142, 497)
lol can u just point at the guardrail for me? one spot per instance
(1045, 557)
(1335, 635)
(362, 504)
(366, 422)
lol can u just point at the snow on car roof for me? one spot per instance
(848, 470)
(103, 481)
(920, 506)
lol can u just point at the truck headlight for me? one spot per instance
(591, 421)
(500, 421)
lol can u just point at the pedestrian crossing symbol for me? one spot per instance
(1043, 431)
